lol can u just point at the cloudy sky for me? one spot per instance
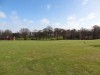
(37, 14)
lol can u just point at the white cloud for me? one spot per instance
(14, 18)
(91, 16)
(71, 18)
(17, 23)
(48, 6)
(14, 12)
(26, 20)
(97, 23)
(82, 19)
(45, 21)
(30, 21)
(84, 2)
(3, 23)
(56, 25)
(73, 22)
(2, 14)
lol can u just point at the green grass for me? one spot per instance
(50, 57)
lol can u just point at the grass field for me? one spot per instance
(50, 57)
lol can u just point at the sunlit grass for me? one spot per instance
(50, 57)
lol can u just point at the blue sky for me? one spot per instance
(37, 14)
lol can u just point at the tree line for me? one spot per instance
(49, 33)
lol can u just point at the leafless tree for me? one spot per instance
(25, 33)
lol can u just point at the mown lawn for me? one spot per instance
(74, 57)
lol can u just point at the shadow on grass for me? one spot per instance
(95, 45)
